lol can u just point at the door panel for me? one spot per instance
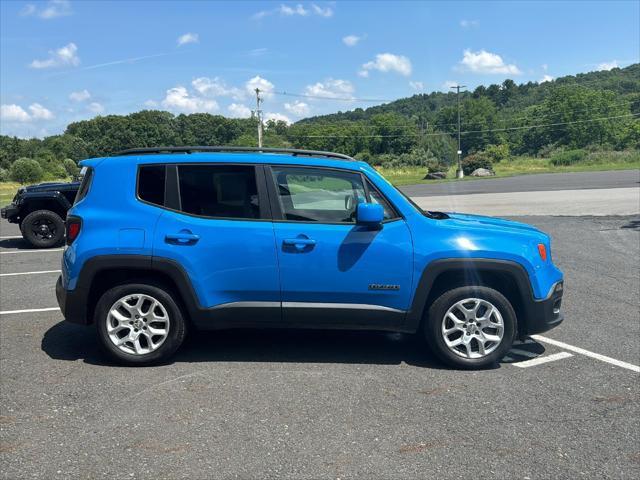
(345, 264)
(219, 231)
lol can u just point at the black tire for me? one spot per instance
(432, 326)
(52, 236)
(177, 324)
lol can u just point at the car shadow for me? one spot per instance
(66, 341)
(19, 243)
(632, 225)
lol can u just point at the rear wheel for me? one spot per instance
(470, 327)
(43, 229)
(139, 324)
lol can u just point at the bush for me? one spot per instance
(4, 175)
(70, 167)
(497, 153)
(475, 161)
(569, 157)
(26, 170)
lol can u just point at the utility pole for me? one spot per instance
(259, 116)
(459, 172)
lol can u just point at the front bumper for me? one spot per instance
(543, 315)
(72, 303)
(9, 212)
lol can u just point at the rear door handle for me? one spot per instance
(182, 238)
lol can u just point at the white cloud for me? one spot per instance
(351, 40)
(297, 10)
(188, 38)
(608, 65)
(95, 107)
(151, 104)
(331, 88)
(276, 117)
(290, 11)
(15, 113)
(388, 62)
(179, 99)
(52, 9)
(419, 86)
(238, 110)
(38, 112)
(469, 23)
(545, 78)
(448, 84)
(80, 96)
(297, 108)
(323, 12)
(486, 63)
(265, 86)
(363, 73)
(258, 52)
(67, 55)
(216, 87)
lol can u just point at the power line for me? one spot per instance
(344, 99)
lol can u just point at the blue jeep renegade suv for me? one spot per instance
(163, 240)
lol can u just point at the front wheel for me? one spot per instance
(470, 327)
(139, 324)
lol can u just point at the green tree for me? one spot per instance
(26, 170)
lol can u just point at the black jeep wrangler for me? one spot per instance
(40, 211)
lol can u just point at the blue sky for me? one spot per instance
(63, 61)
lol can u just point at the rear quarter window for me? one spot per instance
(151, 184)
(86, 173)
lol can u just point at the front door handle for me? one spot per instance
(182, 238)
(300, 243)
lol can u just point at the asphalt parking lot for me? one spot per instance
(293, 404)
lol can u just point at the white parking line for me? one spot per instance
(28, 273)
(31, 310)
(9, 237)
(33, 251)
(541, 360)
(587, 353)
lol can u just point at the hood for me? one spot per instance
(50, 187)
(465, 219)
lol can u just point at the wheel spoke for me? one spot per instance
(153, 336)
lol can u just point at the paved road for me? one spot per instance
(305, 405)
(530, 183)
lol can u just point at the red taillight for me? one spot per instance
(542, 250)
(73, 229)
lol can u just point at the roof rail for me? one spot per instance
(187, 150)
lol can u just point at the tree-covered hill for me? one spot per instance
(596, 111)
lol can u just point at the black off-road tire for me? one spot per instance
(177, 324)
(432, 326)
(55, 225)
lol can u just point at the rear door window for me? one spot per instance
(219, 191)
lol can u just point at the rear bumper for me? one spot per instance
(543, 315)
(72, 303)
(10, 212)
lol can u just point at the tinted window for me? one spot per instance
(224, 191)
(376, 197)
(151, 184)
(86, 175)
(318, 195)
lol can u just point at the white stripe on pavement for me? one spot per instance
(31, 310)
(28, 273)
(587, 353)
(9, 237)
(33, 251)
(541, 360)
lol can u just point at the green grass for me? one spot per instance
(9, 189)
(521, 166)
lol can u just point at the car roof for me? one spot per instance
(232, 155)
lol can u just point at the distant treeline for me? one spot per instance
(595, 110)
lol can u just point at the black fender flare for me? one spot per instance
(55, 196)
(473, 269)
